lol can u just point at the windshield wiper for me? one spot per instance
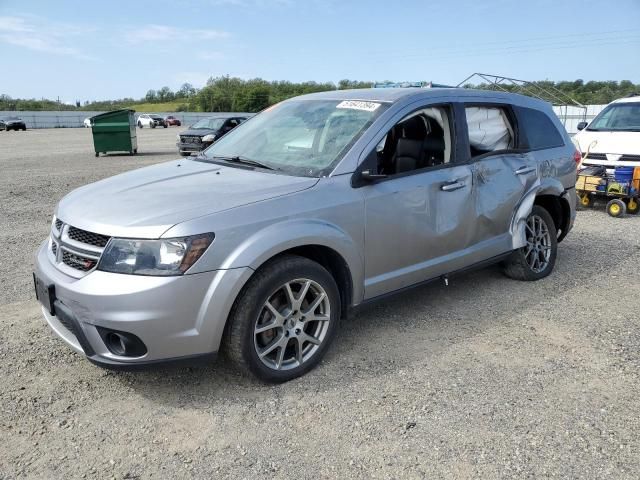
(244, 161)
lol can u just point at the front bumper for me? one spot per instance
(178, 318)
(192, 147)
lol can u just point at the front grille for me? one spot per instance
(76, 251)
(190, 139)
(630, 158)
(89, 238)
(78, 262)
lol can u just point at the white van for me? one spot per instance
(613, 137)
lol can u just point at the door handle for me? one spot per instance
(524, 170)
(450, 187)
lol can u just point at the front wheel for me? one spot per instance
(616, 208)
(538, 257)
(284, 320)
(139, 124)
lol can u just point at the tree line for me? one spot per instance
(229, 94)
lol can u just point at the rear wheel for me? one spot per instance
(633, 206)
(538, 257)
(616, 208)
(284, 320)
(139, 124)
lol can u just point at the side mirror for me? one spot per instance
(582, 125)
(371, 177)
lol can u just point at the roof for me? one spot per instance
(631, 99)
(392, 95)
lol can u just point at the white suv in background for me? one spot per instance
(150, 120)
(613, 137)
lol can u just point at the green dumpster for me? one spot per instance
(114, 132)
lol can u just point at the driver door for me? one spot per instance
(418, 221)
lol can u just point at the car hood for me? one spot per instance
(200, 132)
(609, 142)
(145, 203)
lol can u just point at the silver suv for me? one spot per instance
(260, 245)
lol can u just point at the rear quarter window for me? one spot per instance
(539, 130)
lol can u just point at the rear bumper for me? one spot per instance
(571, 198)
(179, 319)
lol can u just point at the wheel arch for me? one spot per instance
(317, 240)
(548, 193)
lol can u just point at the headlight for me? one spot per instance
(209, 138)
(165, 257)
(178, 137)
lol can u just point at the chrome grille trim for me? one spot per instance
(82, 236)
(74, 251)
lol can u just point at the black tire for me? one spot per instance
(139, 124)
(616, 208)
(240, 340)
(24, 129)
(97, 154)
(135, 151)
(518, 265)
(633, 206)
(165, 125)
(153, 125)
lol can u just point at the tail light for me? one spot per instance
(577, 156)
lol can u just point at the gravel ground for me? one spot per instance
(486, 378)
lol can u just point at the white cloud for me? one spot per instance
(153, 33)
(40, 35)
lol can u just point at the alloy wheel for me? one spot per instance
(292, 324)
(537, 252)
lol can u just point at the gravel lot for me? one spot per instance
(486, 378)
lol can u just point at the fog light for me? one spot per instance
(123, 344)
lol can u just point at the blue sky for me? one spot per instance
(90, 50)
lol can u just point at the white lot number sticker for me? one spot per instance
(358, 105)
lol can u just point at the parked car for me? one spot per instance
(87, 122)
(259, 246)
(204, 132)
(12, 123)
(171, 120)
(152, 121)
(613, 136)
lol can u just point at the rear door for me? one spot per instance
(502, 173)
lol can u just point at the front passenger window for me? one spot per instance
(420, 140)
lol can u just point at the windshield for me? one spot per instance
(618, 117)
(299, 137)
(209, 123)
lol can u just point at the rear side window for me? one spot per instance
(489, 130)
(539, 129)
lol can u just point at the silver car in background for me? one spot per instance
(319, 204)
